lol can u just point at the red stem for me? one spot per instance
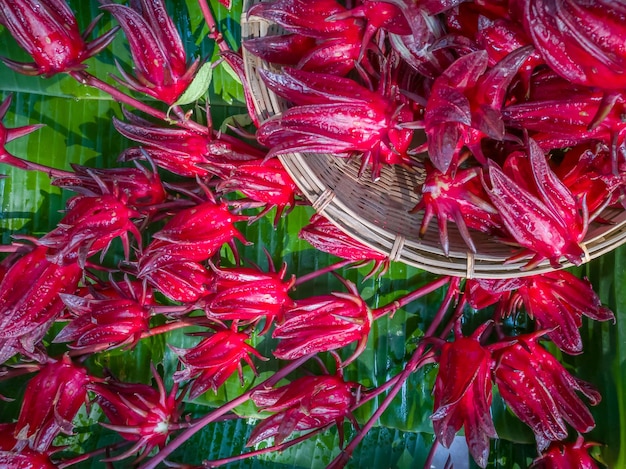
(152, 332)
(269, 449)
(86, 456)
(212, 25)
(414, 295)
(420, 357)
(88, 79)
(211, 417)
(20, 163)
(325, 270)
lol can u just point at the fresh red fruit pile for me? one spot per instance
(524, 142)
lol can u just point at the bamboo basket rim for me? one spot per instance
(376, 214)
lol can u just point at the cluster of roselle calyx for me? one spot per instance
(175, 272)
(503, 90)
(530, 380)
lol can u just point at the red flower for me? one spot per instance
(196, 233)
(324, 236)
(307, 403)
(463, 396)
(139, 413)
(103, 321)
(248, 294)
(336, 115)
(538, 210)
(324, 323)
(47, 30)
(51, 401)
(567, 456)
(581, 40)
(30, 302)
(265, 182)
(179, 280)
(89, 226)
(525, 369)
(159, 58)
(141, 188)
(461, 198)
(210, 363)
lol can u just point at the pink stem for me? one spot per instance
(211, 417)
(431, 454)
(418, 359)
(87, 79)
(86, 456)
(20, 163)
(325, 270)
(269, 449)
(152, 332)
(414, 295)
(212, 25)
(413, 364)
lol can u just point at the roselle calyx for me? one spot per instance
(48, 31)
(160, 61)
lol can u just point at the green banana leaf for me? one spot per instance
(78, 129)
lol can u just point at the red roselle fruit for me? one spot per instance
(307, 403)
(549, 221)
(139, 413)
(196, 233)
(141, 188)
(319, 39)
(567, 456)
(29, 301)
(265, 182)
(159, 58)
(89, 227)
(249, 295)
(48, 31)
(557, 301)
(336, 115)
(210, 363)
(324, 323)
(15, 453)
(323, 235)
(458, 197)
(550, 399)
(103, 321)
(581, 40)
(462, 395)
(51, 401)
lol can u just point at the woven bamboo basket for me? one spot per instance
(377, 213)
